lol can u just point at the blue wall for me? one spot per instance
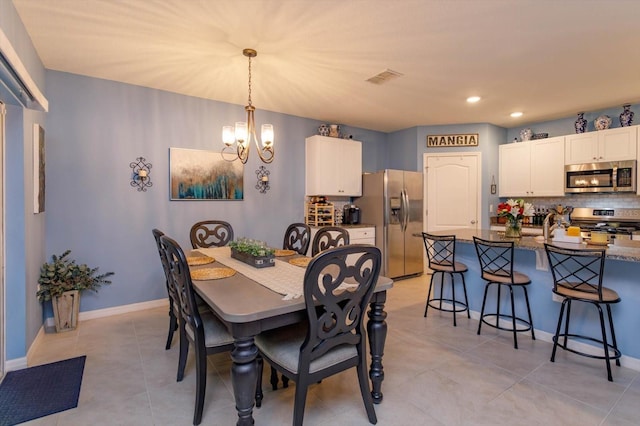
(97, 127)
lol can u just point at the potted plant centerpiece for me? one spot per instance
(61, 281)
(252, 252)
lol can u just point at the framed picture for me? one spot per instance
(204, 175)
(38, 169)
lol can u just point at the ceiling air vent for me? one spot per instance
(384, 76)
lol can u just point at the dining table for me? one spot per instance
(254, 300)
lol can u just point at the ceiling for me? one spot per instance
(548, 59)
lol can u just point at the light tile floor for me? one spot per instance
(435, 374)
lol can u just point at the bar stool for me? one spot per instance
(441, 254)
(496, 264)
(577, 276)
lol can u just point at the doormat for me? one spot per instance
(40, 391)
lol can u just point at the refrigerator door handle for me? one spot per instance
(405, 209)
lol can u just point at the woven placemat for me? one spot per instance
(300, 261)
(199, 260)
(282, 253)
(211, 273)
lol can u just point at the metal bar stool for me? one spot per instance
(577, 276)
(496, 264)
(441, 254)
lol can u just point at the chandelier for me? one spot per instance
(243, 132)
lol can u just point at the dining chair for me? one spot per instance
(577, 277)
(173, 308)
(441, 256)
(297, 237)
(211, 233)
(207, 334)
(338, 285)
(496, 266)
(328, 237)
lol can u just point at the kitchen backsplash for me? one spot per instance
(585, 200)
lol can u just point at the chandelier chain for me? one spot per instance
(249, 80)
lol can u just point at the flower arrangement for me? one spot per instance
(515, 210)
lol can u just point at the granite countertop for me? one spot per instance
(626, 250)
(345, 225)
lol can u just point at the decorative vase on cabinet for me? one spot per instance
(580, 124)
(626, 118)
(526, 134)
(323, 130)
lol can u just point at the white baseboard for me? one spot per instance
(19, 363)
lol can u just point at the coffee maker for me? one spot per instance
(350, 215)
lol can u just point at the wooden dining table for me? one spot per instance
(248, 308)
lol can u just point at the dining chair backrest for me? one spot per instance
(297, 237)
(338, 285)
(441, 249)
(211, 233)
(495, 257)
(579, 270)
(173, 307)
(328, 237)
(183, 287)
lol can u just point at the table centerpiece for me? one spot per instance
(252, 252)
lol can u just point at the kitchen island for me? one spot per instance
(621, 273)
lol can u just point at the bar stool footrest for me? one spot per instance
(616, 353)
(519, 321)
(460, 306)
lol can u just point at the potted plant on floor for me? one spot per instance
(61, 281)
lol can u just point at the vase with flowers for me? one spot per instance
(514, 211)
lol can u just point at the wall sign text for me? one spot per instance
(442, 141)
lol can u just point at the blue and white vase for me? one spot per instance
(626, 118)
(526, 134)
(323, 130)
(581, 123)
(602, 123)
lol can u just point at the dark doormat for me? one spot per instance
(41, 390)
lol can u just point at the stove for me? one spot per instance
(621, 223)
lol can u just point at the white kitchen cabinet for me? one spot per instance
(532, 168)
(333, 166)
(617, 144)
(357, 235)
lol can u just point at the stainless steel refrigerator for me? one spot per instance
(392, 201)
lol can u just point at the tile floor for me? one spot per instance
(435, 374)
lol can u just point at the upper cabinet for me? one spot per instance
(333, 166)
(532, 168)
(604, 145)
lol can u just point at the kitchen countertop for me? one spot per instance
(625, 250)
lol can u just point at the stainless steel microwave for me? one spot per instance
(613, 176)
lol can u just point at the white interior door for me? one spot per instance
(452, 185)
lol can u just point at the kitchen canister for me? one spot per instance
(602, 123)
(626, 118)
(526, 134)
(580, 124)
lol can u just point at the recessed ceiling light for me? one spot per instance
(473, 99)
(516, 114)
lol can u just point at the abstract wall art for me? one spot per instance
(204, 175)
